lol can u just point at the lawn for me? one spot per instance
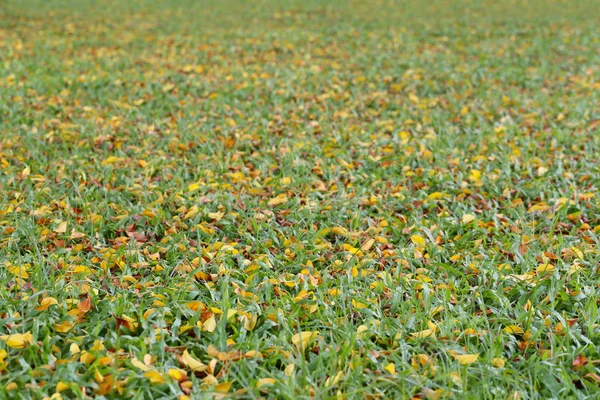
(299, 199)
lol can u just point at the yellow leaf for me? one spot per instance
(191, 212)
(466, 359)
(436, 196)
(367, 245)
(470, 331)
(45, 303)
(60, 386)
(223, 387)
(358, 304)
(545, 269)
(498, 362)
(432, 326)
(422, 334)
(74, 349)
(168, 87)
(468, 218)
(514, 330)
(541, 207)
(26, 171)
(302, 295)
(361, 329)
(574, 268)
(110, 160)
(333, 380)
(338, 230)
(98, 346)
(86, 358)
(192, 363)
(62, 227)
(391, 368)
(98, 376)
(193, 187)
(18, 340)
(210, 324)
(18, 271)
(254, 354)
(352, 250)
(437, 310)
(216, 216)
(137, 363)
(155, 377)
(277, 200)
(302, 339)
(574, 252)
(249, 322)
(177, 374)
(420, 360)
(289, 370)
(436, 394)
(475, 175)
(418, 240)
(64, 326)
(265, 381)
(209, 380)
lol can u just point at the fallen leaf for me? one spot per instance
(580, 361)
(138, 364)
(64, 326)
(192, 363)
(302, 339)
(223, 387)
(277, 200)
(391, 368)
(61, 228)
(466, 359)
(210, 324)
(154, 377)
(422, 334)
(418, 240)
(498, 362)
(177, 374)
(468, 218)
(265, 381)
(18, 340)
(514, 330)
(45, 303)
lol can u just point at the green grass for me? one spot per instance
(411, 185)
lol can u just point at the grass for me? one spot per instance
(320, 199)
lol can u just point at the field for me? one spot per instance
(299, 199)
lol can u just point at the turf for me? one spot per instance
(299, 199)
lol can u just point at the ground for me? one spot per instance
(299, 199)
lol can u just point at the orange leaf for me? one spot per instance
(580, 361)
(85, 305)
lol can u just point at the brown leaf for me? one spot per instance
(580, 361)
(85, 305)
(593, 377)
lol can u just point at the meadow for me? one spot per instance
(299, 199)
